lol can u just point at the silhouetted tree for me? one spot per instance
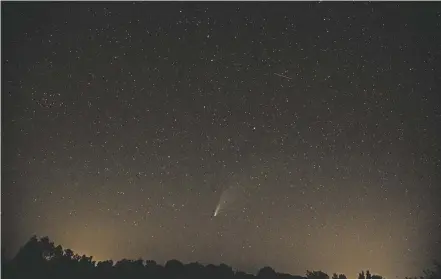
(30, 260)
(224, 271)
(40, 258)
(316, 275)
(288, 276)
(211, 271)
(152, 269)
(267, 273)
(174, 269)
(105, 266)
(242, 275)
(194, 271)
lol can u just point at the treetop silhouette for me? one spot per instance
(40, 258)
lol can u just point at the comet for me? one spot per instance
(216, 211)
(218, 208)
(226, 199)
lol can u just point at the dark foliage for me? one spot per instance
(40, 258)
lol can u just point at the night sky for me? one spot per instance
(314, 129)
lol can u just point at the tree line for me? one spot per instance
(40, 258)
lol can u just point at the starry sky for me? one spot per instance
(315, 127)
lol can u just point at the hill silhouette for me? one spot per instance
(40, 258)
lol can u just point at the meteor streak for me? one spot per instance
(282, 76)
